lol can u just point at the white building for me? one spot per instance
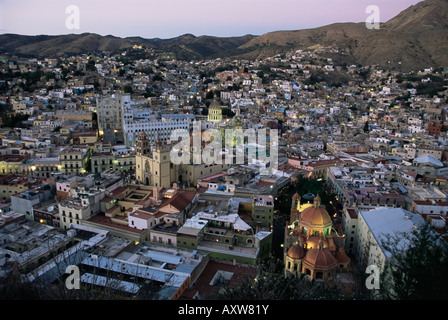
(373, 228)
(134, 123)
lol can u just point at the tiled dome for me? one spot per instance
(315, 217)
(296, 252)
(320, 258)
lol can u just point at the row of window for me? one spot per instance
(69, 215)
(53, 168)
(10, 170)
(103, 162)
(10, 191)
(71, 220)
(71, 157)
(160, 240)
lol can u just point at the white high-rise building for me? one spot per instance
(373, 228)
(121, 122)
(136, 120)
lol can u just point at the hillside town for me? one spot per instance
(87, 176)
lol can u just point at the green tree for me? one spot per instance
(228, 112)
(366, 127)
(127, 89)
(418, 267)
(303, 186)
(49, 75)
(271, 284)
(90, 66)
(11, 120)
(209, 95)
(157, 77)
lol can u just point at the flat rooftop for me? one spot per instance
(383, 221)
(239, 250)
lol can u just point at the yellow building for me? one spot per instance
(12, 184)
(215, 112)
(75, 115)
(84, 137)
(73, 160)
(153, 166)
(12, 164)
(313, 247)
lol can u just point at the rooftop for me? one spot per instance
(384, 221)
(426, 158)
(263, 200)
(108, 223)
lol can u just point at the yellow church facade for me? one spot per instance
(313, 246)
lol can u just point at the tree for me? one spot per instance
(90, 66)
(302, 187)
(209, 95)
(127, 89)
(417, 271)
(49, 75)
(366, 127)
(228, 112)
(271, 284)
(23, 281)
(157, 77)
(11, 120)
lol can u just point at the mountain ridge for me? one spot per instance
(416, 38)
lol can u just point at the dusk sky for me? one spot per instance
(171, 18)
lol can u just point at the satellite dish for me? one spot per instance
(50, 208)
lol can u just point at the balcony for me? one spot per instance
(219, 232)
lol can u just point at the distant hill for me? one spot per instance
(185, 47)
(62, 45)
(415, 39)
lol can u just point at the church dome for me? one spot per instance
(320, 258)
(215, 104)
(315, 216)
(296, 252)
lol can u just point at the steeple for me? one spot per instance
(317, 202)
(158, 143)
(294, 206)
(142, 146)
